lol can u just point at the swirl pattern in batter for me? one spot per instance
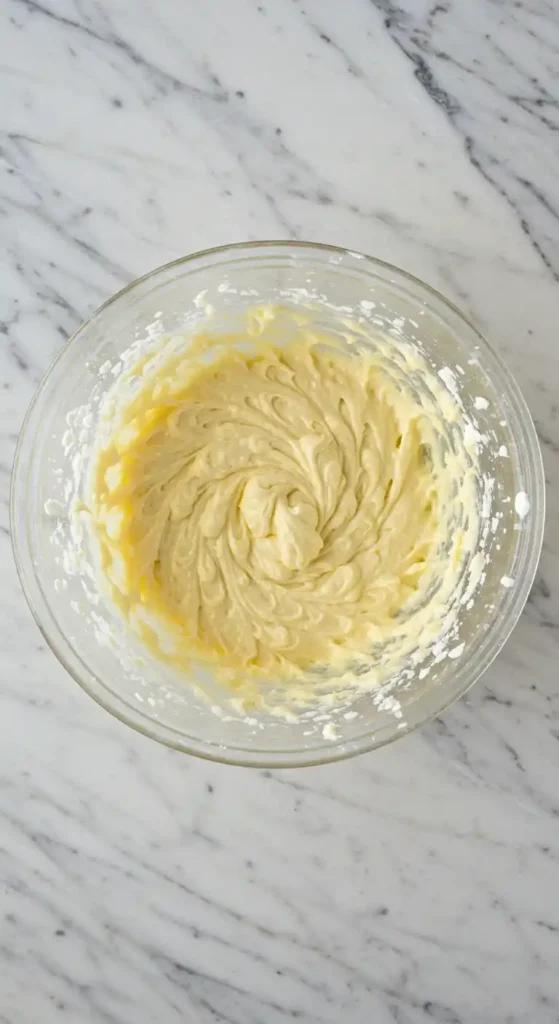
(276, 508)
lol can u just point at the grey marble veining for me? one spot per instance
(415, 885)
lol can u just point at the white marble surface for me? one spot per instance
(415, 885)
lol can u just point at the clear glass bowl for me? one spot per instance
(49, 469)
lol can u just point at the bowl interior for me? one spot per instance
(51, 463)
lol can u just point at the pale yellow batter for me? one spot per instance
(280, 508)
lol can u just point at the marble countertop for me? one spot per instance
(414, 885)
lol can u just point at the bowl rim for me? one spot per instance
(332, 751)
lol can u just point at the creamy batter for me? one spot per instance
(284, 506)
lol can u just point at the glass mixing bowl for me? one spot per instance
(86, 635)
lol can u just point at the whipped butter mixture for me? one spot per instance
(287, 504)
